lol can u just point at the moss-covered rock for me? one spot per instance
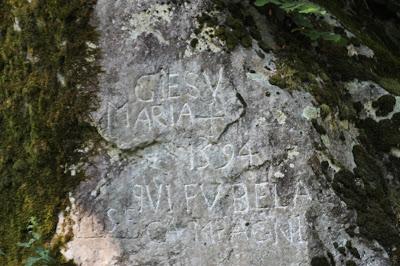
(383, 135)
(320, 261)
(367, 192)
(353, 251)
(47, 91)
(234, 27)
(384, 105)
(351, 263)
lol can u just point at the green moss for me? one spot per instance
(320, 129)
(194, 42)
(322, 71)
(350, 263)
(264, 46)
(325, 110)
(353, 251)
(286, 77)
(342, 250)
(383, 135)
(331, 259)
(320, 261)
(235, 28)
(387, 63)
(392, 85)
(375, 217)
(384, 105)
(246, 41)
(42, 120)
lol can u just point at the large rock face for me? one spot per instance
(204, 162)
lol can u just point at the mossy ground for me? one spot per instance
(47, 87)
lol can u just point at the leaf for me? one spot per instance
(261, 2)
(312, 34)
(289, 7)
(27, 244)
(264, 2)
(44, 254)
(32, 261)
(302, 21)
(36, 236)
(23, 245)
(309, 8)
(2, 253)
(332, 37)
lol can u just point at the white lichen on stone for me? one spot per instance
(260, 78)
(360, 50)
(91, 45)
(280, 117)
(279, 174)
(293, 153)
(325, 139)
(148, 22)
(204, 43)
(311, 113)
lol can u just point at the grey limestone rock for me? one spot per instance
(204, 162)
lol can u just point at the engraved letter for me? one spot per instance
(263, 231)
(144, 90)
(240, 229)
(188, 196)
(157, 114)
(302, 193)
(169, 197)
(139, 197)
(185, 112)
(173, 85)
(240, 204)
(144, 118)
(246, 152)
(210, 205)
(192, 87)
(277, 204)
(208, 81)
(207, 233)
(153, 205)
(262, 191)
(230, 154)
(110, 213)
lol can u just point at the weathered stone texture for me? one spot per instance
(205, 162)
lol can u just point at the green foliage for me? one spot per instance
(296, 6)
(47, 90)
(307, 16)
(34, 245)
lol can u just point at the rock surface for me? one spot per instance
(205, 162)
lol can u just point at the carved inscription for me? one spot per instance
(205, 189)
(253, 212)
(166, 100)
(221, 157)
(244, 198)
